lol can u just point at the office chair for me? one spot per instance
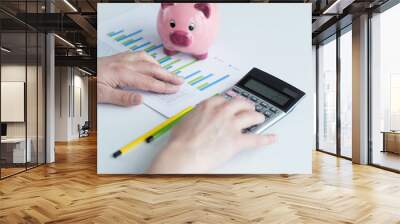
(84, 130)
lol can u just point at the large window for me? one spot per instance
(327, 97)
(385, 89)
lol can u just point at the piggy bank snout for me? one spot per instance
(180, 38)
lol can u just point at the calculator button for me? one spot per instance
(252, 128)
(259, 108)
(253, 98)
(267, 114)
(235, 90)
(242, 97)
(273, 110)
(245, 94)
(264, 104)
(228, 97)
(231, 93)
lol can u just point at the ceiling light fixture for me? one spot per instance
(65, 41)
(79, 51)
(5, 50)
(84, 71)
(337, 7)
(70, 5)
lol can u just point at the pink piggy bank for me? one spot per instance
(187, 27)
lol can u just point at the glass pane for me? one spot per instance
(13, 87)
(346, 93)
(41, 98)
(32, 88)
(31, 98)
(386, 89)
(327, 97)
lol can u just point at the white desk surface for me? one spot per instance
(273, 37)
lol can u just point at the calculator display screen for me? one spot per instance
(267, 92)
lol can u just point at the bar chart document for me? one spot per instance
(202, 78)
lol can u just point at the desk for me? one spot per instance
(391, 141)
(13, 150)
(273, 37)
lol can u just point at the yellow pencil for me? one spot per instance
(142, 138)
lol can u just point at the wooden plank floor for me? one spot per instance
(70, 191)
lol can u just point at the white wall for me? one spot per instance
(14, 73)
(70, 84)
(80, 109)
(62, 81)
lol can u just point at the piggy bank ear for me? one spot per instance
(204, 8)
(165, 5)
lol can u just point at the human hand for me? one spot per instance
(209, 136)
(135, 70)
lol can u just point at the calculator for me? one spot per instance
(272, 97)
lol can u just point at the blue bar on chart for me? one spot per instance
(213, 83)
(177, 72)
(140, 46)
(123, 37)
(202, 79)
(164, 59)
(191, 75)
(131, 41)
(154, 48)
(111, 34)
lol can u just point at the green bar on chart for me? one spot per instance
(184, 66)
(195, 80)
(171, 63)
(154, 55)
(127, 41)
(202, 85)
(148, 48)
(120, 37)
(163, 59)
